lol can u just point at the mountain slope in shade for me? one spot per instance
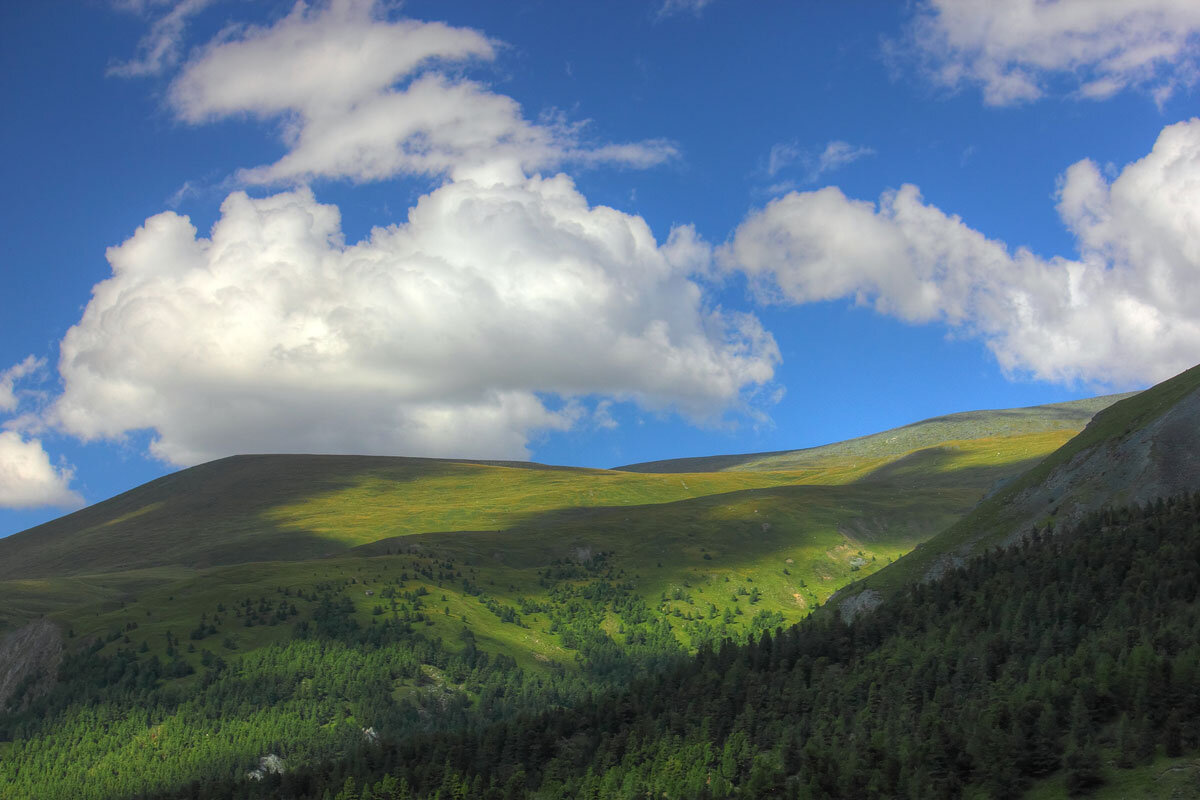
(214, 513)
(1135, 451)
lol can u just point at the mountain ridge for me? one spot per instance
(962, 425)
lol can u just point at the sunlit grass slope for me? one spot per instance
(769, 555)
(267, 508)
(896, 442)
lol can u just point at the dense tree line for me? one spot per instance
(1050, 656)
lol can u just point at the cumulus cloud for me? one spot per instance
(365, 98)
(1011, 48)
(28, 479)
(1122, 313)
(441, 336)
(160, 48)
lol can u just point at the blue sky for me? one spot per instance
(580, 233)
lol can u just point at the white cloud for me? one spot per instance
(28, 479)
(1122, 313)
(670, 7)
(835, 155)
(782, 155)
(9, 378)
(434, 337)
(159, 48)
(365, 98)
(1012, 48)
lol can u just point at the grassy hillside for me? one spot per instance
(267, 509)
(712, 554)
(1002, 423)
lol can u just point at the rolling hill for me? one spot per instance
(827, 502)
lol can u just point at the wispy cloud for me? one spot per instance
(161, 47)
(835, 155)
(10, 377)
(671, 7)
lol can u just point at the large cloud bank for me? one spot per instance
(1010, 48)
(435, 337)
(1123, 312)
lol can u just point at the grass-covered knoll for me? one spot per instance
(708, 567)
(22, 599)
(1003, 423)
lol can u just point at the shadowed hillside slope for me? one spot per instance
(214, 513)
(1135, 451)
(291, 507)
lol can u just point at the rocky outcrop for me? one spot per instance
(855, 605)
(29, 658)
(269, 764)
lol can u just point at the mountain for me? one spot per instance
(299, 611)
(1144, 447)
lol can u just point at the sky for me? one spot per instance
(579, 233)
